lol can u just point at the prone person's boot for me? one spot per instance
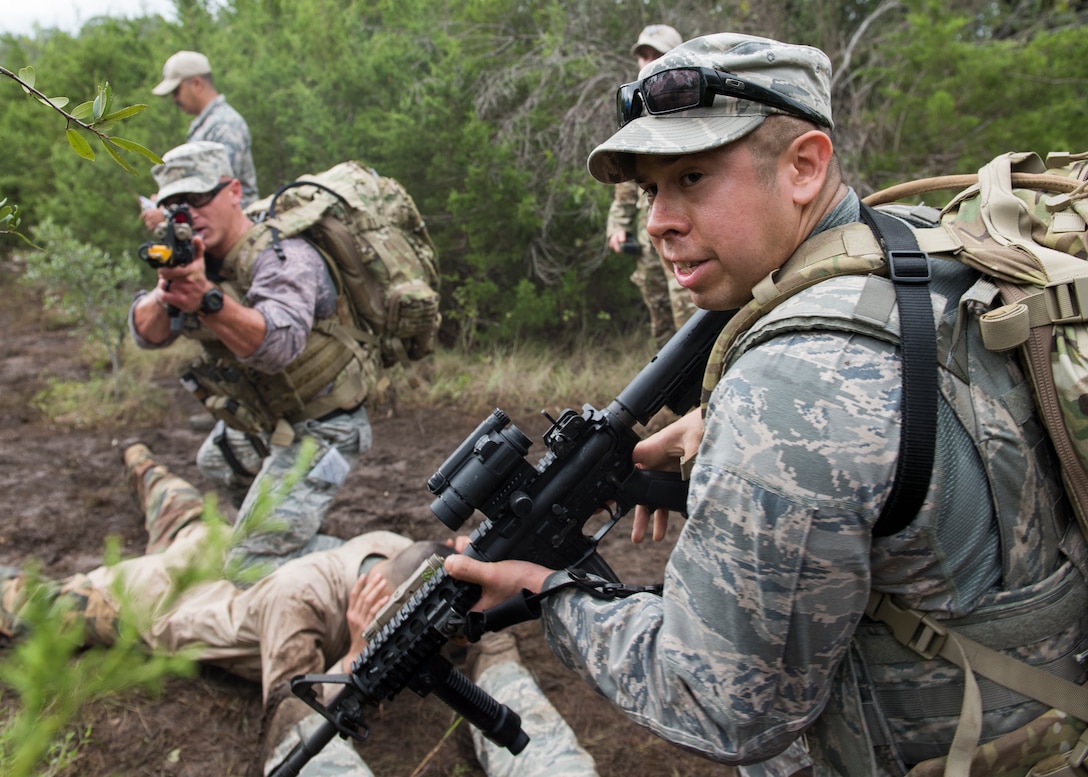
(167, 502)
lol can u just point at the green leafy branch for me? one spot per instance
(94, 116)
(10, 219)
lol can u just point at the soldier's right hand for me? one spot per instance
(666, 450)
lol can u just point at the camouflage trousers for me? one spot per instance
(338, 758)
(171, 509)
(552, 752)
(293, 527)
(553, 749)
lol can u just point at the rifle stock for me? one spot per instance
(532, 513)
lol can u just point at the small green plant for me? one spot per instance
(55, 674)
(54, 678)
(87, 285)
(10, 220)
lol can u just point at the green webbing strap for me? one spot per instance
(908, 268)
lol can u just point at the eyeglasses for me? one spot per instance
(197, 200)
(679, 89)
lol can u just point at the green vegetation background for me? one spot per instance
(486, 110)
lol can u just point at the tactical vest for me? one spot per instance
(885, 693)
(333, 372)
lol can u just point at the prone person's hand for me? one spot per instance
(369, 594)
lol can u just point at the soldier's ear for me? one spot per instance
(809, 158)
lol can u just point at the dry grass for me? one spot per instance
(530, 378)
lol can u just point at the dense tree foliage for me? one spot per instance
(487, 109)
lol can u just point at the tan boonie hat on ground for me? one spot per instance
(659, 37)
(184, 64)
(801, 74)
(192, 168)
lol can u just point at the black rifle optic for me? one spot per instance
(533, 513)
(173, 247)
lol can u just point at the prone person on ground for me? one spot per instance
(307, 617)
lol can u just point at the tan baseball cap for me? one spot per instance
(184, 64)
(789, 75)
(659, 37)
(191, 168)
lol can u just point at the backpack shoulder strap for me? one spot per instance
(908, 268)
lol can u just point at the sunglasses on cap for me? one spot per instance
(681, 88)
(198, 200)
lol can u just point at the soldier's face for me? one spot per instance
(720, 221)
(216, 220)
(184, 96)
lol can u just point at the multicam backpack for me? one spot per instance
(378, 248)
(1022, 224)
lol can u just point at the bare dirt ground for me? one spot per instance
(64, 494)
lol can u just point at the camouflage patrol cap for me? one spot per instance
(192, 168)
(801, 73)
(659, 37)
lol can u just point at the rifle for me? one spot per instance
(173, 249)
(532, 513)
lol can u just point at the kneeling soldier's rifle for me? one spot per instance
(534, 513)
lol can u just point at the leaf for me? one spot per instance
(124, 113)
(56, 102)
(99, 105)
(79, 144)
(136, 148)
(27, 76)
(114, 151)
(82, 112)
(107, 99)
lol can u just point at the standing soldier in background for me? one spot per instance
(187, 78)
(669, 305)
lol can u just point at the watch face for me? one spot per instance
(212, 301)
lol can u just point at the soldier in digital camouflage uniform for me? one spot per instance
(307, 617)
(759, 652)
(278, 367)
(187, 78)
(669, 305)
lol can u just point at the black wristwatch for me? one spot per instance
(211, 302)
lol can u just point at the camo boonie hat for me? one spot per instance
(802, 73)
(192, 168)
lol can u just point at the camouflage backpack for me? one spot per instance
(377, 247)
(1022, 224)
